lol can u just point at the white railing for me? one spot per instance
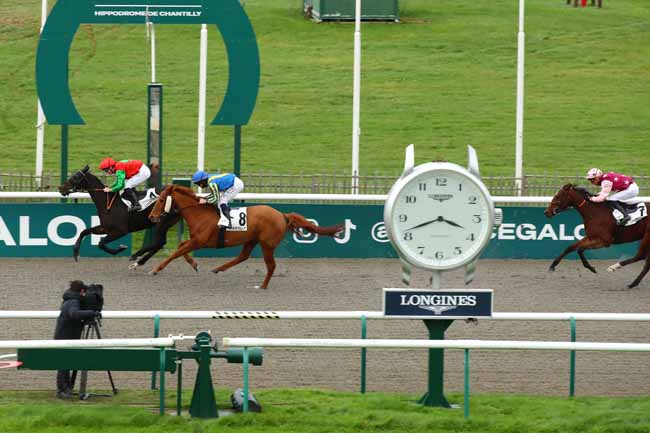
(432, 344)
(177, 314)
(106, 342)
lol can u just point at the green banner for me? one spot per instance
(525, 234)
(50, 230)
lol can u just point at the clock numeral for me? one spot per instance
(470, 237)
(408, 236)
(402, 218)
(458, 251)
(441, 181)
(410, 198)
(422, 186)
(472, 199)
(420, 250)
(476, 218)
(460, 187)
(439, 255)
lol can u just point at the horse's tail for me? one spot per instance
(295, 222)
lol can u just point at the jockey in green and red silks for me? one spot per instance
(623, 187)
(128, 175)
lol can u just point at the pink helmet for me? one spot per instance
(594, 173)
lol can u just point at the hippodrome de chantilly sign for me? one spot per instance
(228, 15)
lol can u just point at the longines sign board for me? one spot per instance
(50, 230)
(438, 304)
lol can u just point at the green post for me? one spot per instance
(162, 380)
(435, 391)
(363, 355)
(572, 365)
(179, 387)
(466, 393)
(64, 156)
(203, 403)
(245, 374)
(237, 164)
(156, 333)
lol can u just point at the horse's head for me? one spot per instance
(78, 182)
(172, 198)
(567, 197)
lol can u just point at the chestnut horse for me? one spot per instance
(266, 226)
(600, 228)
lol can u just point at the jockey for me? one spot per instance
(624, 188)
(223, 187)
(129, 174)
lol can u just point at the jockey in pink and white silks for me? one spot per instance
(615, 188)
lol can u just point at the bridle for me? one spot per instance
(109, 201)
(168, 206)
(557, 210)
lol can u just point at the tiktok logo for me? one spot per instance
(347, 232)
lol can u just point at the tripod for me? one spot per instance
(90, 330)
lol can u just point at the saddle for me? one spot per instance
(636, 211)
(145, 198)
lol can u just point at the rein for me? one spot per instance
(582, 203)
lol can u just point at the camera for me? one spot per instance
(94, 299)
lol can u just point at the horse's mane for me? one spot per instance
(183, 190)
(579, 189)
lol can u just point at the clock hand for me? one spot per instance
(439, 219)
(453, 224)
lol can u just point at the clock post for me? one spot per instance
(439, 216)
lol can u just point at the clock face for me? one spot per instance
(439, 217)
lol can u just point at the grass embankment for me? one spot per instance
(290, 411)
(442, 78)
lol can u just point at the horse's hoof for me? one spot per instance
(196, 268)
(631, 286)
(152, 272)
(551, 269)
(76, 257)
(134, 265)
(592, 269)
(614, 267)
(215, 271)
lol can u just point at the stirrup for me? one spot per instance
(224, 222)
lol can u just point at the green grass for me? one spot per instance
(315, 411)
(442, 78)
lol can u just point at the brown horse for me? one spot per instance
(266, 226)
(600, 228)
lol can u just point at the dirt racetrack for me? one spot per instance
(354, 284)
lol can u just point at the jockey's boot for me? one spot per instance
(619, 207)
(129, 194)
(224, 219)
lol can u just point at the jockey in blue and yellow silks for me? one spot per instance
(223, 187)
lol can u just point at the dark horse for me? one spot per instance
(115, 220)
(600, 228)
(265, 225)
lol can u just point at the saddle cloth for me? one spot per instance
(238, 219)
(145, 198)
(636, 211)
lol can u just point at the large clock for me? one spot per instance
(439, 216)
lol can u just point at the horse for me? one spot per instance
(600, 228)
(115, 219)
(265, 225)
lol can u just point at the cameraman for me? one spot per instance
(69, 326)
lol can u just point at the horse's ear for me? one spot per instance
(85, 169)
(567, 187)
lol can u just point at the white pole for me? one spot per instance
(152, 34)
(356, 99)
(519, 133)
(203, 79)
(40, 117)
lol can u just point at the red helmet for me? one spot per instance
(107, 163)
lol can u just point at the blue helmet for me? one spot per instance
(199, 176)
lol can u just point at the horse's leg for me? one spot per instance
(270, 264)
(583, 259)
(637, 280)
(110, 238)
(641, 254)
(243, 255)
(97, 230)
(582, 244)
(184, 248)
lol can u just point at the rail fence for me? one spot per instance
(545, 184)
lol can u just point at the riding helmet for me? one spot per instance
(107, 163)
(199, 176)
(594, 173)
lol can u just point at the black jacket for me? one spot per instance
(70, 323)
